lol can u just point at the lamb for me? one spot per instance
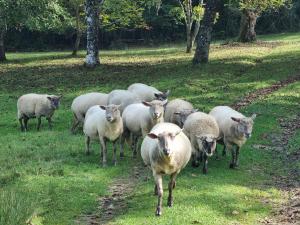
(103, 123)
(235, 129)
(123, 98)
(166, 150)
(139, 118)
(177, 111)
(36, 106)
(148, 93)
(203, 131)
(82, 103)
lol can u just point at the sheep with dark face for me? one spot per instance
(203, 131)
(103, 123)
(148, 93)
(235, 129)
(166, 150)
(138, 120)
(36, 106)
(178, 110)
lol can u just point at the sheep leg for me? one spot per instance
(237, 152)
(49, 122)
(21, 123)
(103, 148)
(224, 151)
(26, 123)
(136, 145)
(39, 123)
(87, 145)
(115, 152)
(232, 164)
(158, 181)
(171, 186)
(133, 145)
(122, 142)
(75, 124)
(194, 160)
(155, 190)
(205, 162)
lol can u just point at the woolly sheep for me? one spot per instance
(148, 93)
(36, 106)
(139, 118)
(123, 98)
(203, 131)
(82, 103)
(166, 150)
(103, 123)
(235, 129)
(177, 111)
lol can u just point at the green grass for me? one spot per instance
(46, 176)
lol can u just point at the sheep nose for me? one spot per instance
(109, 118)
(167, 152)
(247, 135)
(156, 114)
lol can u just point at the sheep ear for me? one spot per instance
(146, 103)
(253, 116)
(195, 110)
(153, 136)
(103, 107)
(167, 92)
(236, 119)
(165, 102)
(59, 97)
(178, 132)
(49, 98)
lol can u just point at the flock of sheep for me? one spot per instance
(172, 132)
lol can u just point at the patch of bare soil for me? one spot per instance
(260, 93)
(289, 212)
(115, 203)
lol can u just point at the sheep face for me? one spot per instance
(207, 143)
(183, 114)
(165, 141)
(54, 101)
(244, 125)
(162, 96)
(112, 112)
(156, 108)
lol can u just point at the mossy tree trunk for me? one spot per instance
(204, 35)
(78, 32)
(2, 46)
(247, 27)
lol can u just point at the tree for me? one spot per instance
(251, 10)
(92, 21)
(204, 35)
(33, 14)
(76, 10)
(192, 16)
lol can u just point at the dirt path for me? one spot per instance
(261, 93)
(121, 189)
(115, 203)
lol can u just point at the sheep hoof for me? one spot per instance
(158, 212)
(195, 164)
(170, 203)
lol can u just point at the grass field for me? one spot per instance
(46, 177)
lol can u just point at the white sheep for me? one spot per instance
(82, 103)
(103, 123)
(166, 150)
(148, 93)
(177, 111)
(122, 98)
(139, 118)
(36, 106)
(203, 132)
(235, 129)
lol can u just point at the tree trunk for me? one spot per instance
(194, 33)
(2, 47)
(189, 43)
(247, 27)
(92, 20)
(78, 32)
(204, 36)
